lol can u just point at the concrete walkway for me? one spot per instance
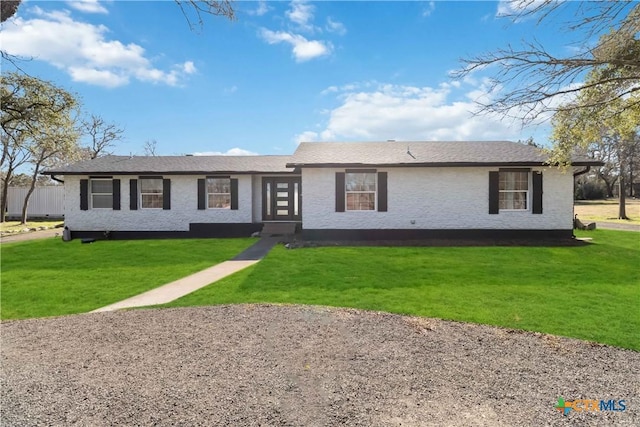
(181, 287)
(617, 226)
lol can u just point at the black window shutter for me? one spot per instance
(339, 191)
(84, 194)
(116, 194)
(234, 194)
(202, 195)
(166, 194)
(382, 191)
(536, 207)
(133, 194)
(494, 191)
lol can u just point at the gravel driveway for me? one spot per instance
(301, 366)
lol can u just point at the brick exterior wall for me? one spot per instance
(418, 198)
(436, 198)
(184, 208)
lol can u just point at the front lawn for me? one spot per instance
(589, 292)
(50, 277)
(607, 211)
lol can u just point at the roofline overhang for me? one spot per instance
(434, 164)
(141, 172)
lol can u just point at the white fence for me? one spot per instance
(45, 202)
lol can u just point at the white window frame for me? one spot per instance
(141, 193)
(526, 192)
(374, 192)
(92, 193)
(219, 194)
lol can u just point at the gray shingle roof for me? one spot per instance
(441, 153)
(452, 153)
(175, 165)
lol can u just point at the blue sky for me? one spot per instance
(281, 73)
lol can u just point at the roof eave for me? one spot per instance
(436, 164)
(415, 165)
(147, 172)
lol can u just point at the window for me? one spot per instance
(151, 193)
(360, 189)
(514, 190)
(219, 193)
(101, 193)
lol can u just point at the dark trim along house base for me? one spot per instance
(409, 234)
(196, 230)
(223, 230)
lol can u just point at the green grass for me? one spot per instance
(50, 277)
(589, 292)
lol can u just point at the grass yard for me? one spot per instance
(607, 211)
(589, 292)
(50, 277)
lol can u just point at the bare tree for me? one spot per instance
(614, 126)
(193, 10)
(13, 156)
(38, 126)
(532, 78)
(150, 147)
(60, 144)
(605, 151)
(102, 136)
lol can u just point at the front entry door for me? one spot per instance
(281, 199)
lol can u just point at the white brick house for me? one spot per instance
(389, 190)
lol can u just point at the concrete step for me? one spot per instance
(278, 228)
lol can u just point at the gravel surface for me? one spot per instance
(301, 366)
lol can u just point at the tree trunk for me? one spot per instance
(23, 219)
(34, 179)
(609, 185)
(3, 203)
(631, 180)
(5, 194)
(5, 152)
(622, 212)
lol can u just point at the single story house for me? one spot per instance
(330, 190)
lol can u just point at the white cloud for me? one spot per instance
(230, 152)
(189, 67)
(88, 6)
(335, 27)
(308, 136)
(83, 50)
(97, 77)
(230, 90)
(262, 9)
(303, 49)
(429, 8)
(301, 13)
(387, 111)
(515, 7)
(349, 87)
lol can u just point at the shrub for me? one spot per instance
(590, 190)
